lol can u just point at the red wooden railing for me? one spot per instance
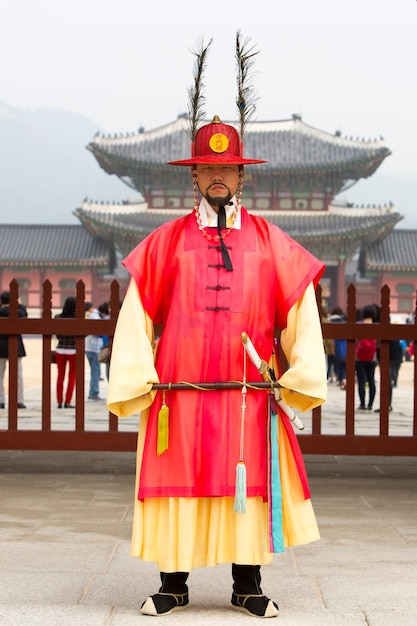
(351, 443)
(13, 436)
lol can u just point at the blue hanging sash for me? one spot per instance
(276, 536)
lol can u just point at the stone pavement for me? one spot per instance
(65, 523)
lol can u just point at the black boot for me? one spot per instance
(172, 595)
(247, 593)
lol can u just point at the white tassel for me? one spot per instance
(240, 494)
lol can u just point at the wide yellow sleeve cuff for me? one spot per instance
(132, 370)
(304, 384)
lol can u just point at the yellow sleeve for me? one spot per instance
(305, 382)
(132, 370)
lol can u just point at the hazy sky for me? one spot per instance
(349, 66)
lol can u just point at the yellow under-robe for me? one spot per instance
(180, 534)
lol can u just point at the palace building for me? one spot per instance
(296, 189)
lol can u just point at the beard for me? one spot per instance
(218, 201)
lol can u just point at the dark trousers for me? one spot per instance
(365, 373)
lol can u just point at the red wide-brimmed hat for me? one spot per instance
(217, 143)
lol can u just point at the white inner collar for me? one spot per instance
(209, 216)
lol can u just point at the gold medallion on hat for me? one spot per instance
(218, 142)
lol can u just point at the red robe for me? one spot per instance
(203, 310)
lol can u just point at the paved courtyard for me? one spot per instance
(65, 523)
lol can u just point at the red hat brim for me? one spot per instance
(210, 159)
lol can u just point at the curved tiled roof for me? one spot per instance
(396, 252)
(288, 145)
(305, 224)
(45, 245)
(325, 233)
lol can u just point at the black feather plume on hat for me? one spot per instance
(196, 99)
(246, 98)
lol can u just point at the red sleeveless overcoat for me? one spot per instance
(203, 310)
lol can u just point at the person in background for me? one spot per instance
(104, 310)
(329, 348)
(396, 355)
(93, 344)
(404, 347)
(394, 351)
(365, 361)
(337, 316)
(4, 352)
(65, 354)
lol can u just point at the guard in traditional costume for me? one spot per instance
(220, 477)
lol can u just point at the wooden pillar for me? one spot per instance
(42, 278)
(341, 283)
(95, 288)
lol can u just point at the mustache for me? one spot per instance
(217, 185)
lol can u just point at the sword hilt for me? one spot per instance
(268, 375)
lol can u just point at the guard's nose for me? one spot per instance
(217, 177)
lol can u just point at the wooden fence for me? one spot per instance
(112, 439)
(351, 443)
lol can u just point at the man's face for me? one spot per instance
(217, 182)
